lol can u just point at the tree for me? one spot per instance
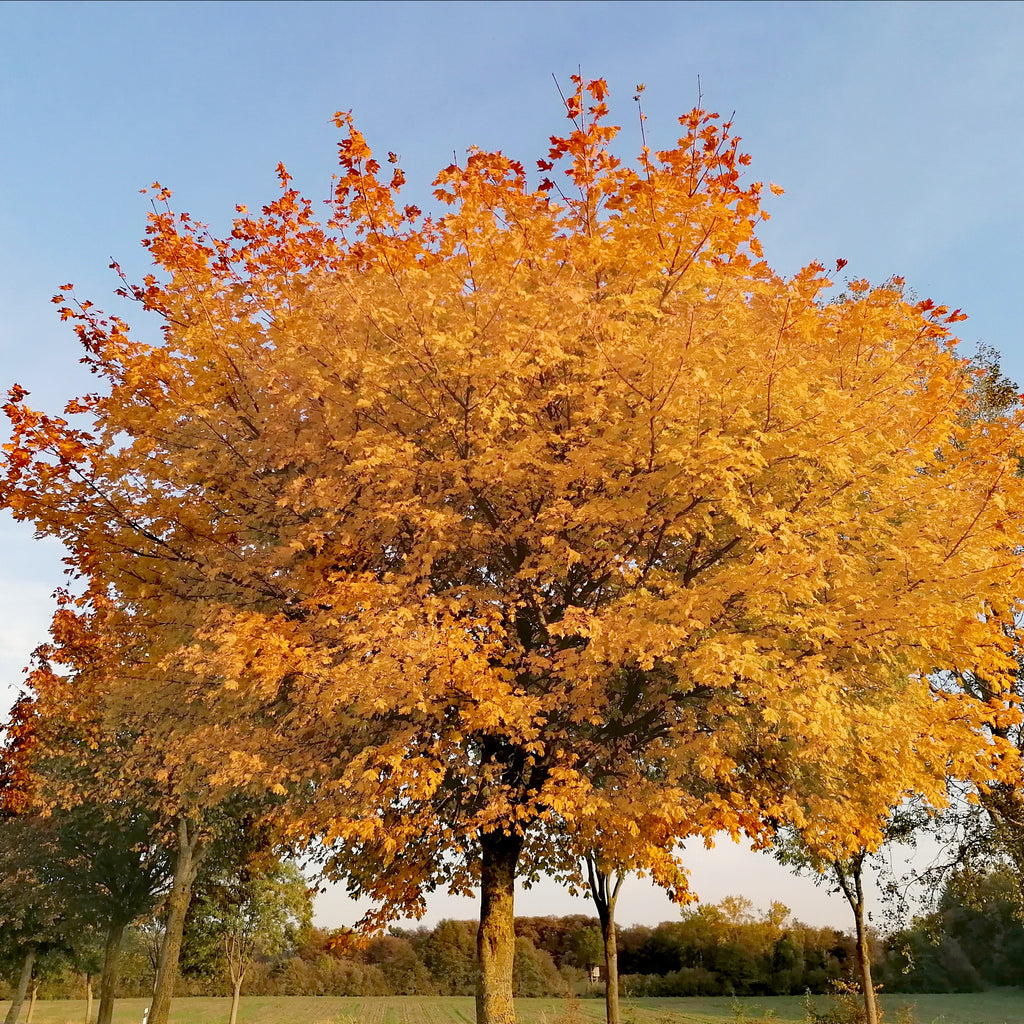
(33, 920)
(587, 948)
(87, 960)
(750, 786)
(130, 832)
(990, 827)
(424, 523)
(449, 954)
(849, 877)
(604, 890)
(534, 972)
(226, 833)
(256, 910)
(972, 939)
(104, 862)
(905, 777)
(111, 868)
(841, 864)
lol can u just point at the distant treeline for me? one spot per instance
(973, 940)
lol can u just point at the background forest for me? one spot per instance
(972, 941)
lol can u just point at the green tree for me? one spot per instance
(34, 920)
(396, 958)
(787, 966)
(587, 948)
(256, 911)
(449, 953)
(113, 868)
(972, 939)
(534, 972)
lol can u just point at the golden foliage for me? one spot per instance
(558, 512)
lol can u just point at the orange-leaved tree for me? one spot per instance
(140, 818)
(540, 511)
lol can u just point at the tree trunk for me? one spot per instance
(496, 939)
(186, 865)
(604, 899)
(111, 973)
(236, 991)
(32, 1004)
(23, 981)
(851, 880)
(88, 998)
(864, 963)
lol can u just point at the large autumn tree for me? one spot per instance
(557, 507)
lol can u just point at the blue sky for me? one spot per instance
(896, 130)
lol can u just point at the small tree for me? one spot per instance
(255, 911)
(587, 948)
(34, 920)
(113, 868)
(841, 865)
(605, 884)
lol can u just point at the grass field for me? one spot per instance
(1000, 1007)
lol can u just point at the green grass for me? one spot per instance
(1005, 1006)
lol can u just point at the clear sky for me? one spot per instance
(895, 128)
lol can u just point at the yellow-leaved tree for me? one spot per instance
(558, 514)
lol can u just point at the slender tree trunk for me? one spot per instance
(236, 992)
(235, 954)
(864, 962)
(88, 998)
(32, 1003)
(23, 982)
(111, 973)
(851, 880)
(605, 895)
(186, 865)
(496, 939)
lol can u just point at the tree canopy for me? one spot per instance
(557, 507)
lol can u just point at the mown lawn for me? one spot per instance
(1005, 1006)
